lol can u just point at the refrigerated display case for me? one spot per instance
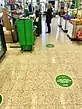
(3, 47)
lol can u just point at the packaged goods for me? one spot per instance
(79, 15)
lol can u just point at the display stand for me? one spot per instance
(64, 25)
(59, 21)
(75, 25)
(70, 30)
(75, 31)
(78, 32)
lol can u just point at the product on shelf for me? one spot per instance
(79, 15)
(76, 21)
(65, 8)
(78, 32)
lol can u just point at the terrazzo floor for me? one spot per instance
(28, 80)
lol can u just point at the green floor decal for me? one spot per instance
(49, 45)
(64, 80)
(0, 99)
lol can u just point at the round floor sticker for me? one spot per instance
(0, 99)
(64, 80)
(49, 45)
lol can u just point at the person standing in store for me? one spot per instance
(49, 17)
(30, 7)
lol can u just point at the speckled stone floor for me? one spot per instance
(28, 80)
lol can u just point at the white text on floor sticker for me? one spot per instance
(34, 101)
(53, 60)
(62, 100)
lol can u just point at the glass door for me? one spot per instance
(1, 47)
(2, 42)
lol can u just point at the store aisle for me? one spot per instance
(28, 80)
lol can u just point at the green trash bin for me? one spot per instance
(21, 31)
(29, 31)
(25, 33)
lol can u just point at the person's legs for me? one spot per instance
(49, 28)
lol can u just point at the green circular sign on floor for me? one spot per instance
(49, 45)
(64, 80)
(0, 99)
